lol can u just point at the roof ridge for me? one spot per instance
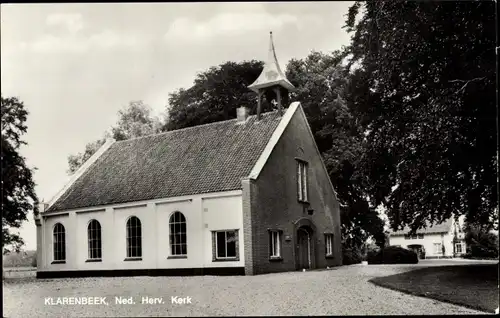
(192, 127)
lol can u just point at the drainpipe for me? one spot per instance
(443, 250)
(455, 240)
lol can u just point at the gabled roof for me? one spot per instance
(444, 227)
(207, 158)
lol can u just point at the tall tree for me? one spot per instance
(320, 83)
(215, 95)
(135, 120)
(18, 188)
(424, 93)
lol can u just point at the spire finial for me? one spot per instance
(271, 78)
(271, 74)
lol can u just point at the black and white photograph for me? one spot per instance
(319, 158)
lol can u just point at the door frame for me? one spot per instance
(305, 224)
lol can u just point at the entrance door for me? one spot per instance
(304, 246)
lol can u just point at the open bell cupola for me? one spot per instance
(271, 78)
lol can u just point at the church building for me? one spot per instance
(244, 196)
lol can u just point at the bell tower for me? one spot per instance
(271, 78)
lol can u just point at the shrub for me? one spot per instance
(33, 261)
(372, 248)
(481, 243)
(374, 257)
(392, 255)
(487, 247)
(351, 256)
(470, 256)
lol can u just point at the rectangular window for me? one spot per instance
(226, 244)
(275, 244)
(437, 248)
(458, 248)
(329, 244)
(302, 181)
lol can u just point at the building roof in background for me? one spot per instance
(444, 227)
(207, 158)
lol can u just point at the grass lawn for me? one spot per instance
(473, 286)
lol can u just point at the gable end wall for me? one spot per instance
(274, 201)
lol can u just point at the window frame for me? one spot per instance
(98, 245)
(172, 235)
(461, 248)
(132, 256)
(329, 245)
(215, 249)
(440, 246)
(302, 180)
(272, 243)
(58, 253)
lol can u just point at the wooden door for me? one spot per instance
(304, 249)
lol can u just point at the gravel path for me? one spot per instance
(341, 291)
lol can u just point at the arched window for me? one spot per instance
(59, 242)
(134, 237)
(94, 238)
(178, 241)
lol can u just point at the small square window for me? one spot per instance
(459, 248)
(225, 244)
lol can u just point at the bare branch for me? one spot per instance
(466, 82)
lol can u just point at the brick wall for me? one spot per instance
(274, 205)
(247, 186)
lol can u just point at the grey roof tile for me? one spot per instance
(207, 158)
(436, 228)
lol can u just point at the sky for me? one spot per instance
(75, 65)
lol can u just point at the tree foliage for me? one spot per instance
(481, 242)
(18, 188)
(321, 84)
(135, 120)
(76, 161)
(424, 93)
(215, 95)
